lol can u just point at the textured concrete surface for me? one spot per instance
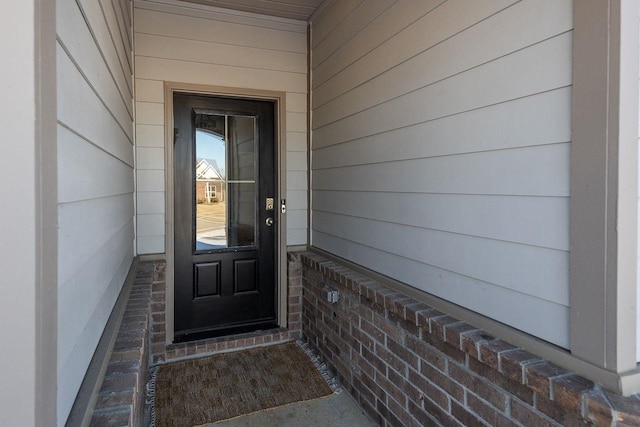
(336, 410)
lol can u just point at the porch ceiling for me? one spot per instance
(294, 9)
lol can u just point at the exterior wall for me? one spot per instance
(28, 217)
(441, 148)
(95, 178)
(408, 364)
(216, 47)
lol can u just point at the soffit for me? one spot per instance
(292, 9)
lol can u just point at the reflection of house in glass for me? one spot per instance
(210, 181)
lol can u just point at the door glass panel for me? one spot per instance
(224, 181)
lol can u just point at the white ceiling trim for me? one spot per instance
(196, 8)
(299, 10)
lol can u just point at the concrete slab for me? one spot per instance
(336, 410)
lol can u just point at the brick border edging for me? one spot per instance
(121, 399)
(506, 364)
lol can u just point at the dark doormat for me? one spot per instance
(210, 389)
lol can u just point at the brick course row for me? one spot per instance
(409, 364)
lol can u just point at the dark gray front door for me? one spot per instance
(225, 231)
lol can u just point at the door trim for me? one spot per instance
(280, 167)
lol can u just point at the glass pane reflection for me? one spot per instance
(225, 181)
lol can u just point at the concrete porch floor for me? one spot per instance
(336, 410)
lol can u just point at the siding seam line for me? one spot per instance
(79, 135)
(438, 156)
(220, 43)
(220, 65)
(104, 59)
(341, 190)
(413, 56)
(302, 27)
(124, 45)
(374, 47)
(475, 236)
(94, 90)
(457, 113)
(432, 83)
(444, 269)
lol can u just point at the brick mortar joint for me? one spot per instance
(367, 289)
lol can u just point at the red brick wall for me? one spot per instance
(409, 364)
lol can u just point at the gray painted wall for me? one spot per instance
(440, 150)
(216, 47)
(95, 177)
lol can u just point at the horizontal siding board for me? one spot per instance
(296, 102)
(296, 236)
(80, 110)
(90, 67)
(149, 158)
(540, 68)
(149, 90)
(529, 314)
(149, 180)
(296, 180)
(411, 26)
(296, 219)
(150, 244)
(86, 308)
(149, 113)
(121, 71)
(296, 161)
(400, 16)
(204, 29)
(531, 171)
(122, 30)
(228, 16)
(123, 47)
(219, 53)
(80, 239)
(86, 172)
(296, 122)
(296, 200)
(72, 370)
(331, 19)
(445, 59)
(358, 19)
(150, 224)
(296, 141)
(219, 75)
(535, 271)
(535, 120)
(150, 202)
(150, 136)
(537, 221)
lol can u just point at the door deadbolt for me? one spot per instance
(269, 221)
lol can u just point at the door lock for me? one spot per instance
(269, 203)
(269, 222)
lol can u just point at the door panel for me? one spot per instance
(224, 246)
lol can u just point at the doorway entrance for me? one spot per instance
(225, 236)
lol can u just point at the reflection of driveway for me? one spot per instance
(210, 216)
(211, 226)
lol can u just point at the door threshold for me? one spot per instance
(229, 331)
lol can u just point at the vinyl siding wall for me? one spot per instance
(95, 177)
(216, 47)
(440, 150)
